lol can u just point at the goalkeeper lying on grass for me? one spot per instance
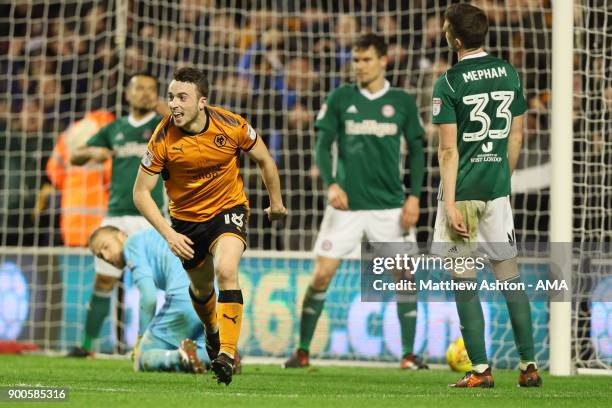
(173, 339)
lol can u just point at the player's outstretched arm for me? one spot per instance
(448, 156)
(269, 174)
(515, 141)
(179, 244)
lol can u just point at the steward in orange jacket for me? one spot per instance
(84, 189)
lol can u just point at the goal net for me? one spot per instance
(592, 165)
(274, 62)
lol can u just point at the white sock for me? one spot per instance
(523, 366)
(480, 368)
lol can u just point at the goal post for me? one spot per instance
(561, 197)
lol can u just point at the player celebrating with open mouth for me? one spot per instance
(196, 149)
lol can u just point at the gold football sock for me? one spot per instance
(229, 316)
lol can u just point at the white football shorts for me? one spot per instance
(492, 227)
(341, 232)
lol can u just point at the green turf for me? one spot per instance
(111, 383)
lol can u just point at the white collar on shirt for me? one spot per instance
(477, 55)
(371, 96)
(138, 123)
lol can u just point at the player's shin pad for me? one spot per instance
(206, 309)
(229, 317)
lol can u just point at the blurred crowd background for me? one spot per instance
(274, 62)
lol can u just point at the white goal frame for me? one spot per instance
(561, 194)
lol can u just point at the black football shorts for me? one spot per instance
(204, 235)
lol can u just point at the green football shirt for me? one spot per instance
(481, 94)
(128, 140)
(367, 129)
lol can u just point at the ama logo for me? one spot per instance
(487, 147)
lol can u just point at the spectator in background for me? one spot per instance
(229, 92)
(25, 152)
(83, 189)
(38, 63)
(433, 42)
(98, 76)
(94, 22)
(221, 52)
(531, 180)
(262, 61)
(134, 61)
(285, 126)
(32, 118)
(49, 92)
(300, 187)
(298, 80)
(398, 71)
(194, 14)
(147, 35)
(165, 52)
(194, 22)
(346, 31)
(259, 21)
(608, 102)
(5, 114)
(389, 26)
(13, 64)
(314, 23)
(314, 35)
(66, 47)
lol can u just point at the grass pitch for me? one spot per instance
(111, 383)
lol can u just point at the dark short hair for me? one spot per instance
(99, 230)
(143, 74)
(467, 23)
(194, 76)
(368, 40)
